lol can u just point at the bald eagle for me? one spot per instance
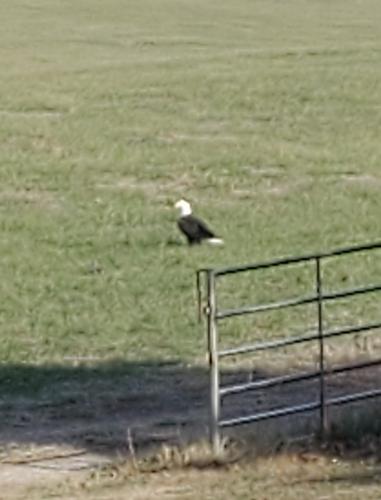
(195, 230)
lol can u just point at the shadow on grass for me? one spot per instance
(117, 407)
(101, 407)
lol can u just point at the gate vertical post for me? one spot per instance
(213, 365)
(199, 295)
(323, 407)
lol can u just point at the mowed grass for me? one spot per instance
(264, 114)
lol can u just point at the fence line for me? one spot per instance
(214, 317)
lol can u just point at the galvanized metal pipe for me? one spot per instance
(216, 393)
(291, 410)
(279, 412)
(291, 378)
(213, 365)
(262, 346)
(199, 298)
(350, 292)
(229, 313)
(295, 260)
(323, 410)
(200, 287)
(352, 398)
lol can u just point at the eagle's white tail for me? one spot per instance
(215, 241)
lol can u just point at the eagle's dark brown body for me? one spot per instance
(194, 229)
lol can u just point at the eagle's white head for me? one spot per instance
(184, 207)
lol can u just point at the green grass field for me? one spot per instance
(264, 114)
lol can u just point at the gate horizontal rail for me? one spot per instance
(234, 351)
(215, 316)
(297, 302)
(295, 260)
(286, 379)
(292, 410)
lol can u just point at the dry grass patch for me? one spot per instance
(31, 197)
(366, 180)
(281, 477)
(159, 188)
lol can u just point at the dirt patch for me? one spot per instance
(16, 480)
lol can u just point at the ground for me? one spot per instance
(157, 421)
(283, 477)
(266, 116)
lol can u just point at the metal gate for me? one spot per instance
(320, 296)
